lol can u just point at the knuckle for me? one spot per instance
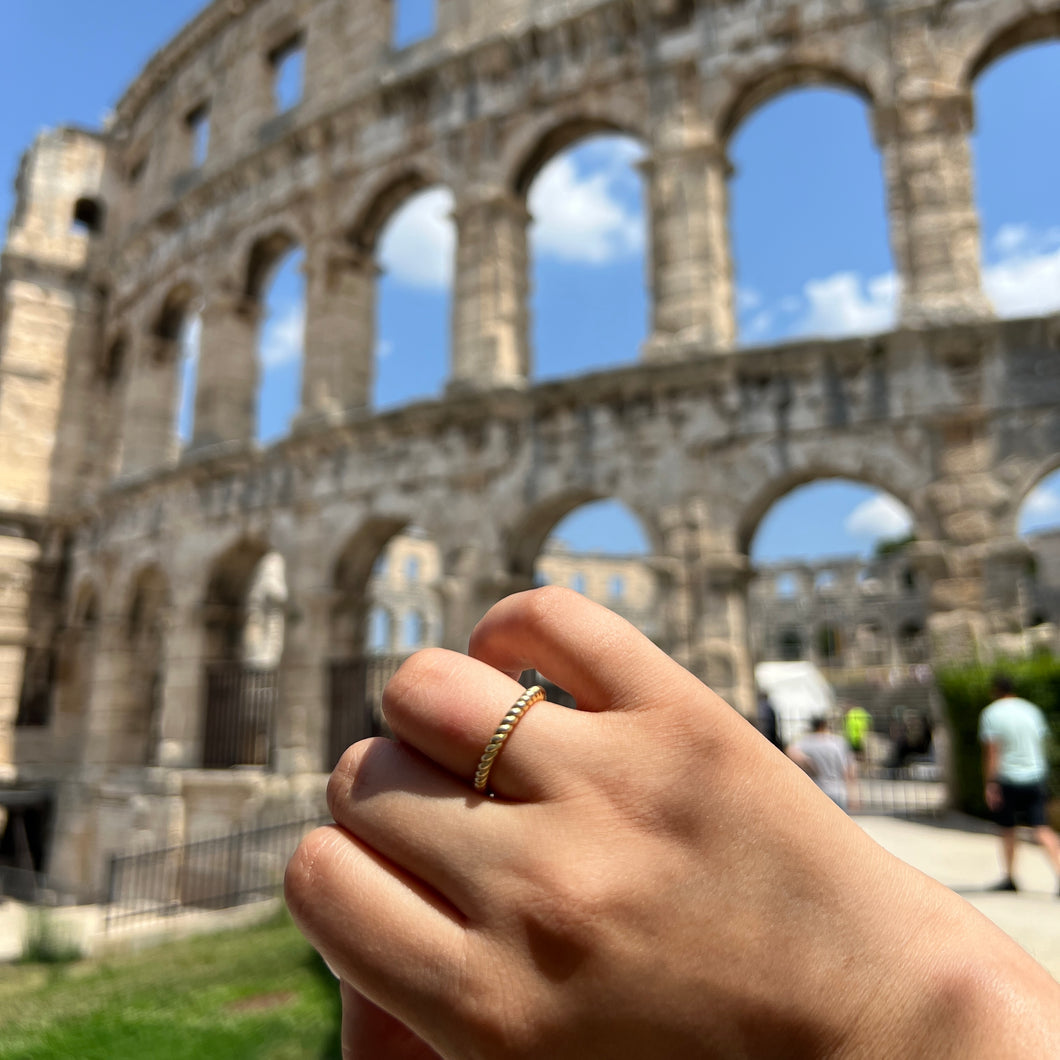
(424, 669)
(304, 871)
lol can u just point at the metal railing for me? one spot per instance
(240, 715)
(206, 875)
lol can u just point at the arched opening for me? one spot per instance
(387, 604)
(811, 251)
(842, 547)
(89, 215)
(276, 282)
(178, 332)
(413, 21)
(415, 244)
(1039, 578)
(244, 621)
(587, 240)
(140, 680)
(1017, 168)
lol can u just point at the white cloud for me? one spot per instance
(844, 304)
(880, 517)
(1025, 280)
(580, 216)
(1042, 502)
(284, 337)
(417, 249)
(747, 298)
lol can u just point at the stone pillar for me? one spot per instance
(181, 722)
(720, 647)
(18, 561)
(934, 223)
(691, 262)
(340, 334)
(227, 393)
(302, 721)
(491, 318)
(965, 497)
(149, 434)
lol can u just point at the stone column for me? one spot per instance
(302, 720)
(931, 204)
(180, 725)
(691, 263)
(149, 435)
(340, 334)
(721, 653)
(18, 561)
(491, 318)
(227, 392)
(965, 497)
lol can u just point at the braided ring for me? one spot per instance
(532, 695)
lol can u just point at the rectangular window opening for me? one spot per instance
(198, 122)
(414, 20)
(288, 73)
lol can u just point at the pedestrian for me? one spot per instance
(1014, 734)
(827, 759)
(856, 725)
(767, 721)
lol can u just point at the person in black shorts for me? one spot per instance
(1014, 735)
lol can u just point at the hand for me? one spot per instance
(653, 878)
(992, 792)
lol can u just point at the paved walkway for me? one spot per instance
(959, 853)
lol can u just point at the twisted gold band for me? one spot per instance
(532, 695)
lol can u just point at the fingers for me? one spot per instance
(398, 940)
(368, 1031)
(603, 661)
(448, 706)
(416, 816)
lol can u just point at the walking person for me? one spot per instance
(1014, 734)
(828, 760)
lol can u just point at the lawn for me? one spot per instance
(258, 994)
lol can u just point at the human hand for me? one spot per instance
(992, 794)
(652, 879)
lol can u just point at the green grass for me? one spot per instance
(260, 994)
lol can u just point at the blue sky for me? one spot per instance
(807, 221)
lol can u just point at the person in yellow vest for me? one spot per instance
(857, 724)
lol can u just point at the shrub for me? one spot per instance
(966, 691)
(47, 942)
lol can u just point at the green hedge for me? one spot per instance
(966, 690)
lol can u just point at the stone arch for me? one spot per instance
(1006, 27)
(382, 195)
(171, 314)
(113, 358)
(1021, 489)
(752, 93)
(224, 599)
(535, 145)
(264, 254)
(527, 537)
(774, 489)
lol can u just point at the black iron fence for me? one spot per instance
(210, 874)
(240, 715)
(355, 697)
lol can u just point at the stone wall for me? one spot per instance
(141, 556)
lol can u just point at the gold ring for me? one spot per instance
(532, 695)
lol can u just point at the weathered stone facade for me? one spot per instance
(128, 566)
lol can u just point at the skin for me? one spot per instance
(652, 879)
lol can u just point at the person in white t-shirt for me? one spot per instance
(1014, 735)
(828, 760)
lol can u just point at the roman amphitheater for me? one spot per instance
(185, 630)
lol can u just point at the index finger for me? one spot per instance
(598, 657)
